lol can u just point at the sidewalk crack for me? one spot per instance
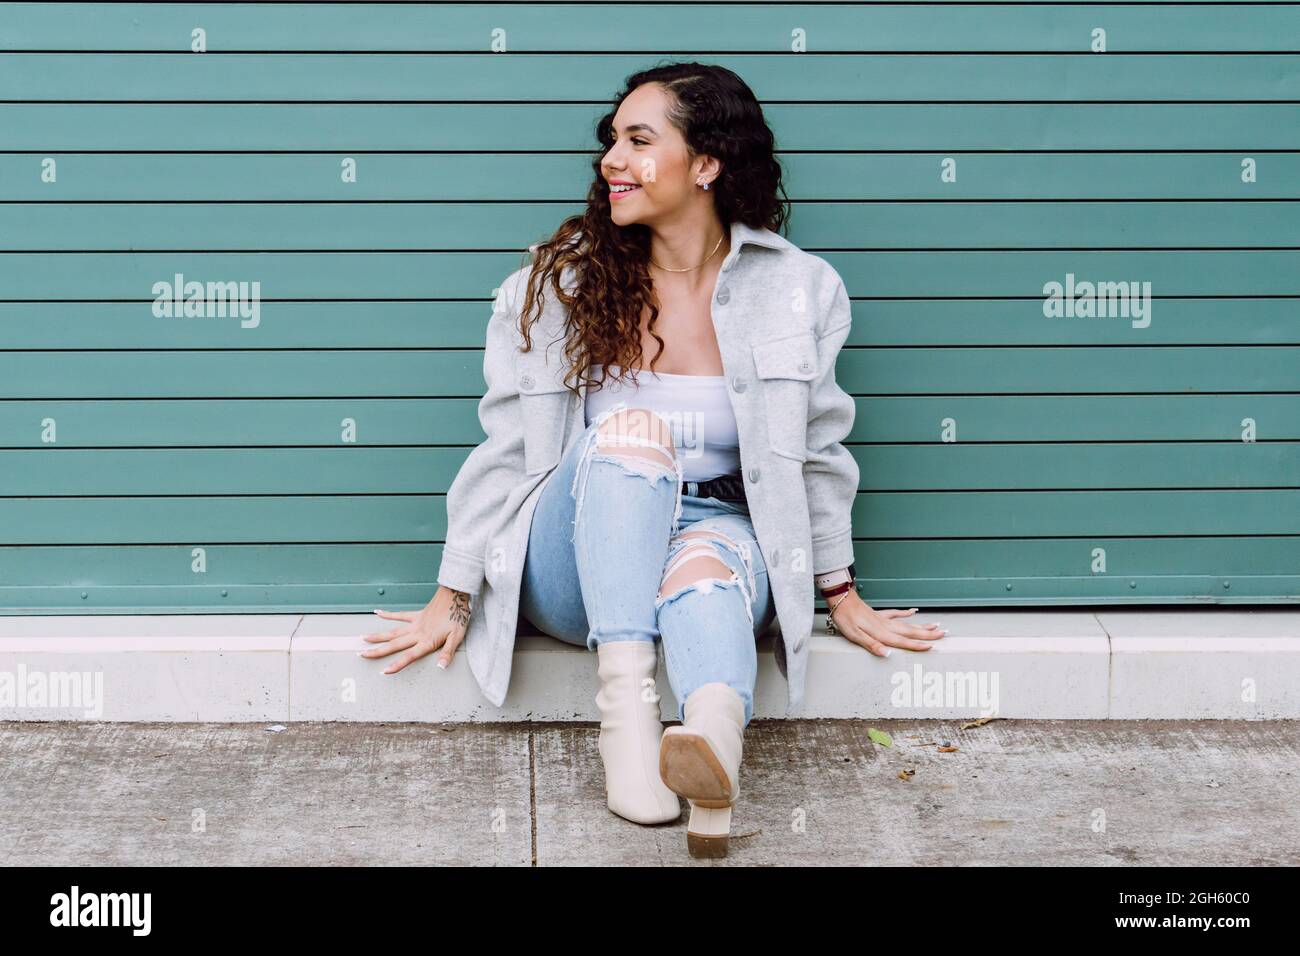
(532, 792)
(1110, 664)
(288, 692)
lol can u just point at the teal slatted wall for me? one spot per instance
(168, 464)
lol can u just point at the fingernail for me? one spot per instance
(888, 651)
(361, 653)
(935, 624)
(442, 664)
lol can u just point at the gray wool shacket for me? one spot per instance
(781, 316)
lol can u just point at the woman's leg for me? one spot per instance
(627, 491)
(600, 532)
(623, 513)
(713, 601)
(551, 595)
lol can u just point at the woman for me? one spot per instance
(691, 499)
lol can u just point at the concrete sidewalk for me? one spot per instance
(814, 793)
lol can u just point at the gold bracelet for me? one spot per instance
(830, 614)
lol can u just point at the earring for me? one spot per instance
(700, 182)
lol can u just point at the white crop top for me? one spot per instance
(696, 408)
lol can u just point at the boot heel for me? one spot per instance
(709, 831)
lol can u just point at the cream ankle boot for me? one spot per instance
(629, 732)
(700, 760)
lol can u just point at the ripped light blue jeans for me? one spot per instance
(608, 531)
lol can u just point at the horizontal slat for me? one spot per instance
(198, 522)
(311, 325)
(252, 423)
(1047, 418)
(458, 226)
(564, 178)
(356, 577)
(1025, 560)
(929, 593)
(475, 77)
(57, 472)
(214, 471)
(907, 371)
(378, 373)
(363, 128)
(648, 27)
(385, 373)
(984, 560)
(215, 519)
(471, 275)
(1019, 323)
(243, 374)
(1047, 514)
(169, 567)
(308, 325)
(1002, 467)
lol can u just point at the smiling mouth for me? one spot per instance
(618, 192)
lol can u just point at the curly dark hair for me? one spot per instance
(719, 116)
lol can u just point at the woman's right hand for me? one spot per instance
(441, 624)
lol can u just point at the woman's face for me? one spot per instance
(649, 155)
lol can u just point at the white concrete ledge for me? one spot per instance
(1170, 664)
(1042, 664)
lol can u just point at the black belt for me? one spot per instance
(725, 487)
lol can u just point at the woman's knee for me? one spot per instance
(701, 566)
(637, 433)
(697, 562)
(638, 441)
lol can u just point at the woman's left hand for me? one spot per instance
(879, 630)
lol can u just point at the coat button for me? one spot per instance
(738, 384)
(724, 295)
(805, 366)
(753, 474)
(525, 381)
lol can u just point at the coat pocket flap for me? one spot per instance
(794, 356)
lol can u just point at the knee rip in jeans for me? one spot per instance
(662, 462)
(709, 544)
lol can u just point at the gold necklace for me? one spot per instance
(693, 268)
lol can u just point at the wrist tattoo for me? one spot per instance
(459, 612)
